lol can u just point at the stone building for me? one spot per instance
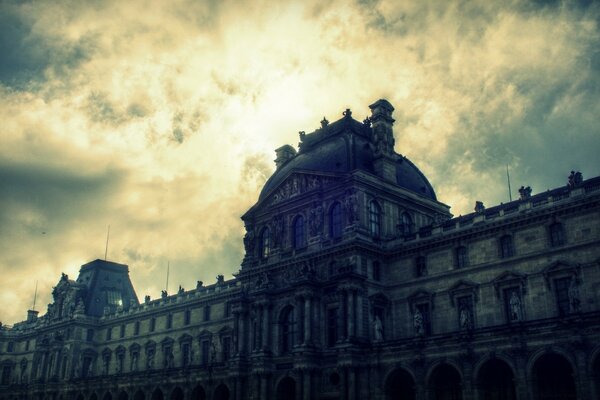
(357, 283)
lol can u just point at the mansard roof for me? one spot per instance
(344, 146)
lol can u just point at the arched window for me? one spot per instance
(375, 218)
(265, 243)
(299, 234)
(406, 224)
(288, 329)
(335, 221)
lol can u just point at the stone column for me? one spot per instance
(264, 381)
(307, 320)
(351, 315)
(343, 315)
(265, 334)
(236, 332)
(352, 376)
(359, 314)
(306, 384)
(300, 337)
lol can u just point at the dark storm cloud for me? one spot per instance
(27, 52)
(37, 198)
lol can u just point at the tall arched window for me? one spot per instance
(299, 233)
(375, 218)
(406, 224)
(335, 221)
(287, 329)
(265, 243)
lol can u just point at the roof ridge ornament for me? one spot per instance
(324, 122)
(347, 113)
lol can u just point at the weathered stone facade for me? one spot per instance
(356, 284)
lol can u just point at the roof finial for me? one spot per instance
(324, 122)
(347, 113)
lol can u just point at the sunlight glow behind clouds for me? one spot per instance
(161, 118)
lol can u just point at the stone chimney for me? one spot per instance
(383, 139)
(284, 154)
(32, 315)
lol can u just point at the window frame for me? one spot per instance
(336, 221)
(374, 219)
(299, 232)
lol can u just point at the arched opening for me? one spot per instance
(177, 394)
(406, 224)
(221, 392)
(79, 397)
(287, 329)
(198, 393)
(286, 389)
(400, 386)
(157, 394)
(445, 383)
(93, 396)
(107, 396)
(495, 381)
(139, 395)
(123, 395)
(553, 378)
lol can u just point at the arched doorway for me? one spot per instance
(553, 378)
(177, 394)
(198, 393)
(139, 395)
(400, 386)
(221, 393)
(286, 389)
(445, 383)
(495, 381)
(157, 394)
(123, 395)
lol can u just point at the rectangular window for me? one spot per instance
(207, 313)
(169, 321)
(332, 326)
(6, 370)
(187, 317)
(205, 351)
(152, 324)
(85, 368)
(227, 310)
(10, 347)
(461, 257)
(27, 345)
(108, 333)
(420, 266)
(136, 328)
(557, 235)
(185, 354)
(122, 332)
(90, 335)
(506, 246)
(561, 287)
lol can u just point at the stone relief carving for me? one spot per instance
(297, 184)
(249, 239)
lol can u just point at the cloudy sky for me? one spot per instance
(160, 119)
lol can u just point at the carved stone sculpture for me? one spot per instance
(515, 307)
(574, 299)
(316, 220)
(418, 323)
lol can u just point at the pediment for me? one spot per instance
(379, 298)
(185, 338)
(560, 268)
(296, 184)
(509, 278)
(419, 296)
(463, 288)
(166, 341)
(204, 333)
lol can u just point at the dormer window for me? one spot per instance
(299, 232)
(375, 219)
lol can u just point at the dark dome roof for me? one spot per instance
(341, 147)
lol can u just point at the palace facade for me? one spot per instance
(357, 283)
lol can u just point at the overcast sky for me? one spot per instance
(160, 119)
